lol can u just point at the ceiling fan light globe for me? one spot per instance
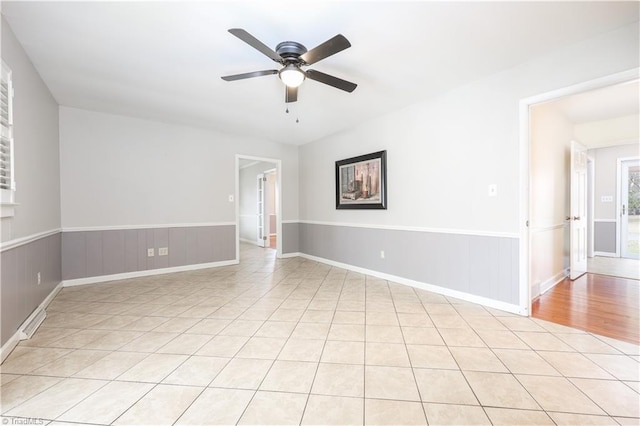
(291, 76)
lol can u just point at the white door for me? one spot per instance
(578, 217)
(630, 209)
(260, 210)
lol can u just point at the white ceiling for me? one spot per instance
(603, 104)
(163, 60)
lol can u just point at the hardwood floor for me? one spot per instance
(600, 304)
(272, 241)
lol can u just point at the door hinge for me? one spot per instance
(264, 238)
(264, 179)
(527, 224)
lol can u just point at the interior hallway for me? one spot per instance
(290, 341)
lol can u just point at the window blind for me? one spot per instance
(6, 133)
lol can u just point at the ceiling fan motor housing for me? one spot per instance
(291, 51)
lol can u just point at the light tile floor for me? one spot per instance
(293, 341)
(614, 266)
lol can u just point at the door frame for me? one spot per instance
(260, 208)
(525, 195)
(278, 168)
(591, 205)
(619, 201)
(276, 197)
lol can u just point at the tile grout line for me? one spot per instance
(247, 285)
(364, 361)
(561, 375)
(275, 359)
(315, 374)
(406, 350)
(502, 363)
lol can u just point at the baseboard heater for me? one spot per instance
(32, 323)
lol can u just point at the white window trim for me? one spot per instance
(7, 196)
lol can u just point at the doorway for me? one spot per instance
(545, 226)
(629, 207)
(614, 222)
(258, 204)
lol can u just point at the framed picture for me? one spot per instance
(361, 182)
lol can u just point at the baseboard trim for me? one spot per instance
(11, 344)
(244, 240)
(496, 304)
(604, 254)
(147, 273)
(288, 255)
(553, 281)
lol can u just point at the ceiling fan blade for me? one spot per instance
(336, 82)
(248, 75)
(256, 44)
(291, 94)
(326, 49)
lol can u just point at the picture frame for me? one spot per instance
(361, 182)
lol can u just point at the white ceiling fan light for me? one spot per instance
(291, 75)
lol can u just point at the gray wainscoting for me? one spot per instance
(95, 253)
(290, 238)
(478, 265)
(604, 237)
(19, 289)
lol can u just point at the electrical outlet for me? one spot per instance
(163, 251)
(381, 254)
(150, 252)
(39, 278)
(493, 190)
(231, 198)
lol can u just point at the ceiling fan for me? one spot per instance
(293, 56)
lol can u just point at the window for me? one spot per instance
(7, 182)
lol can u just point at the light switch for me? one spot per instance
(606, 199)
(493, 190)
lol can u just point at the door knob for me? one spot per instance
(567, 218)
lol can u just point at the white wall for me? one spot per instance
(606, 164)
(551, 135)
(445, 151)
(37, 167)
(119, 171)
